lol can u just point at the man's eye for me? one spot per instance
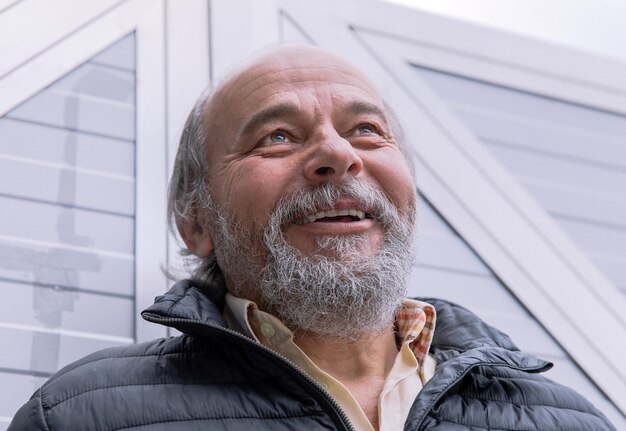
(278, 137)
(366, 129)
(275, 138)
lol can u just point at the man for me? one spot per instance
(293, 193)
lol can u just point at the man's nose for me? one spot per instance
(332, 159)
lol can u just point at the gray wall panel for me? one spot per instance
(430, 221)
(43, 353)
(54, 224)
(447, 251)
(525, 332)
(561, 171)
(478, 293)
(67, 204)
(523, 104)
(597, 239)
(438, 246)
(572, 159)
(50, 307)
(62, 266)
(79, 112)
(565, 201)
(614, 268)
(500, 127)
(48, 144)
(16, 180)
(100, 82)
(121, 54)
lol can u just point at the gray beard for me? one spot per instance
(345, 297)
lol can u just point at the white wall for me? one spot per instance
(595, 26)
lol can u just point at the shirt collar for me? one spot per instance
(414, 324)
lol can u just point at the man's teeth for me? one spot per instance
(331, 213)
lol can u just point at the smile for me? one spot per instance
(347, 215)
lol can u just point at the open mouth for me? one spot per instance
(343, 216)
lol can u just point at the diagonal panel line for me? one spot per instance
(10, 5)
(71, 33)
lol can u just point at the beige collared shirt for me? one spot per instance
(412, 368)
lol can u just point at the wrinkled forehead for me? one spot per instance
(297, 66)
(283, 70)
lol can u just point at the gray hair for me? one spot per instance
(188, 191)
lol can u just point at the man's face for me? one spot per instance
(296, 119)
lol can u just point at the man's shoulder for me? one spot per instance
(501, 397)
(115, 366)
(495, 382)
(115, 379)
(114, 385)
(188, 381)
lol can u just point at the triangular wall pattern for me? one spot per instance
(67, 193)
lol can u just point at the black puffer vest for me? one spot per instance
(213, 378)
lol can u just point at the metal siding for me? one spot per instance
(67, 225)
(50, 223)
(41, 143)
(43, 353)
(558, 170)
(121, 55)
(455, 88)
(77, 309)
(578, 143)
(79, 112)
(63, 266)
(571, 158)
(87, 186)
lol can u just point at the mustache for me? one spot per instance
(310, 199)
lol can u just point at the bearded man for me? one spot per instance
(292, 192)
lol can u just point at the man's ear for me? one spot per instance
(196, 237)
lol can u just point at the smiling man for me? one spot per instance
(294, 195)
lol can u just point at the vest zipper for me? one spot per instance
(248, 341)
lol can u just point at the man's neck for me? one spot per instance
(361, 366)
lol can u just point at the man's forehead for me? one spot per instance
(302, 59)
(290, 65)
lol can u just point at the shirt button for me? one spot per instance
(268, 330)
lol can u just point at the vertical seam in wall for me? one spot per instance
(166, 86)
(210, 41)
(136, 112)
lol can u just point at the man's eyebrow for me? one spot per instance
(359, 108)
(268, 114)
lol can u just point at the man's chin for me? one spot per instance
(344, 248)
(345, 257)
